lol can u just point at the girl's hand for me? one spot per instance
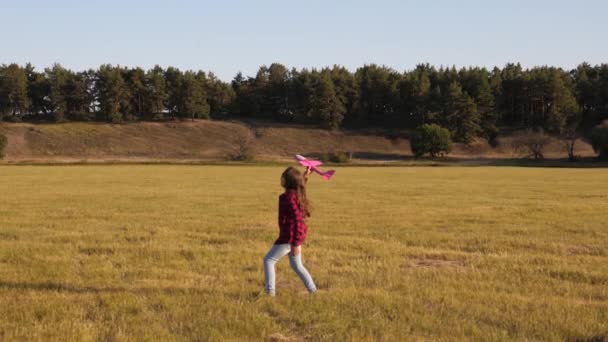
(306, 173)
(295, 250)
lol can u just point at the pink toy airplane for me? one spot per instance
(312, 164)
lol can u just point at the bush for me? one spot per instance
(3, 143)
(245, 156)
(533, 142)
(599, 140)
(568, 139)
(431, 139)
(244, 150)
(335, 157)
(14, 118)
(339, 157)
(258, 132)
(490, 132)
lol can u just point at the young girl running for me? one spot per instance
(293, 208)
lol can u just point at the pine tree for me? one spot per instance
(173, 80)
(156, 90)
(14, 98)
(136, 82)
(38, 90)
(325, 105)
(58, 77)
(219, 95)
(562, 106)
(78, 95)
(113, 93)
(193, 100)
(461, 114)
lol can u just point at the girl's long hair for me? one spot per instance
(292, 179)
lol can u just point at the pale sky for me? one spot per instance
(230, 36)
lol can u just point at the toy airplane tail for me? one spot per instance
(326, 175)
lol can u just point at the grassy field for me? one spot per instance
(175, 253)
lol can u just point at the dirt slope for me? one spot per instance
(215, 140)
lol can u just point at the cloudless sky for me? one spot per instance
(230, 36)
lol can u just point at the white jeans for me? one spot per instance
(275, 254)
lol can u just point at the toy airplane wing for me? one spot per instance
(313, 165)
(307, 162)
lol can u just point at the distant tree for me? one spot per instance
(599, 140)
(244, 149)
(512, 92)
(14, 98)
(156, 93)
(561, 106)
(568, 137)
(601, 107)
(461, 115)
(79, 95)
(325, 107)
(430, 139)
(173, 81)
(261, 96)
(241, 91)
(38, 90)
(481, 86)
(193, 99)
(277, 89)
(58, 79)
(584, 77)
(247, 92)
(135, 80)
(415, 90)
(220, 95)
(345, 88)
(113, 94)
(591, 84)
(532, 142)
(3, 143)
(378, 94)
(301, 91)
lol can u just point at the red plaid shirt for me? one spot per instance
(292, 229)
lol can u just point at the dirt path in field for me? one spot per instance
(17, 145)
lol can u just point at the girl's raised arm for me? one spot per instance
(306, 173)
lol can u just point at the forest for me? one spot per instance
(471, 102)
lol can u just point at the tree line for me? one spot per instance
(470, 102)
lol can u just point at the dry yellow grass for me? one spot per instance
(175, 253)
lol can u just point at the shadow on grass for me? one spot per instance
(396, 159)
(588, 162)
(379, 156)
(596, 338)
(67, 288)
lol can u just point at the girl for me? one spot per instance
(293, 207)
